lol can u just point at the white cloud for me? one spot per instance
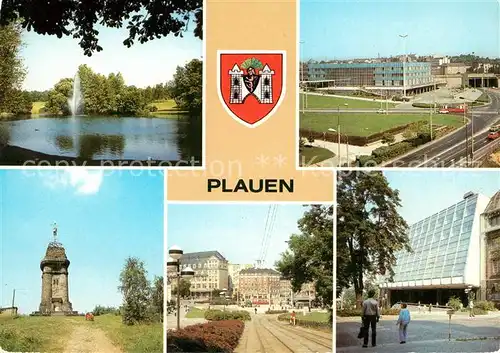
(83, 182)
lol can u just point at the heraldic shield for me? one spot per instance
(251, 84)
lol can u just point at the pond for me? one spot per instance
(106, 138)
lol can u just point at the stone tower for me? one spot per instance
(54, 267)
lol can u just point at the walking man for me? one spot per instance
(370, 316)
(471, 309)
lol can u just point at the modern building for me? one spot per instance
(388, 77)
(260, 286)
(55, 284)
(447, 256)
(234, 277)
(490, 288)
(210, 272)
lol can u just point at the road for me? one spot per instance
(266, 335)
(391, 111)
(450, 151)
(425, 335)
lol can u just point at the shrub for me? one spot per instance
(477, 311)
(455, 303)
(485, 305)
(349, 312)
(390, 311)
(220, 315)
(220, 336)
(276, 311)
(384, 153)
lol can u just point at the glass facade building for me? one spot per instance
(377, 75)
(446, 255)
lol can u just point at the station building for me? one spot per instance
(449, 255)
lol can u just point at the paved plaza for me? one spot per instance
(426, 333)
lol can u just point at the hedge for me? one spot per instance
(357, 140)
(217, 336)
(357, 312)
(220, 315)
(276, 311)
(306, 323)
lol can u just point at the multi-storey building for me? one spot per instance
(447, 256)
(491, 245)
(211, 272)
(259, 285)
(305, 296)
(234, 277)
(390, 77)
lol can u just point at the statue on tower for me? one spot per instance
(54, 231)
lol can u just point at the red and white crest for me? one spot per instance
(251, 83)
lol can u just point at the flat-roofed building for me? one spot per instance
(375, 76)
(447, 256)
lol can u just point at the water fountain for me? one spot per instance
(76, 99)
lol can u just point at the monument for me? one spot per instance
(55, 293)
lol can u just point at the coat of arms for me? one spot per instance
(251, 84)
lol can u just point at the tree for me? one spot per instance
(157, 298)
(144, 19)
(57, 102)
(184, 288)
(12, 71)
(186, 87)
(309, 257)
(369, 229)
(136, 291)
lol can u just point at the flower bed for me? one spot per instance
(216, 336)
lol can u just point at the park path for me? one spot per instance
(88, 339)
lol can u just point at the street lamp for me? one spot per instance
(404, 63)
(338, 133)
(471, 120)
(173, 264)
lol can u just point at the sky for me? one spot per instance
(424, 193)
(49, 59)
(343, 29)
(236, 231)
(102, 218)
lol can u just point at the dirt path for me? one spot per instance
(88, 339)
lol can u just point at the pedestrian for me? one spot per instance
(403, 321)
(292, 318)
(370, 316)
(471, 308)
(255, 311)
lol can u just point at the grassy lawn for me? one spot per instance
(35, 334)
(166, 109)
(327, 102)
(168, 104)
(310, 155)
(366, 124)
(136, 338)
(195, 313)
(36, 107)
(313, 316)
